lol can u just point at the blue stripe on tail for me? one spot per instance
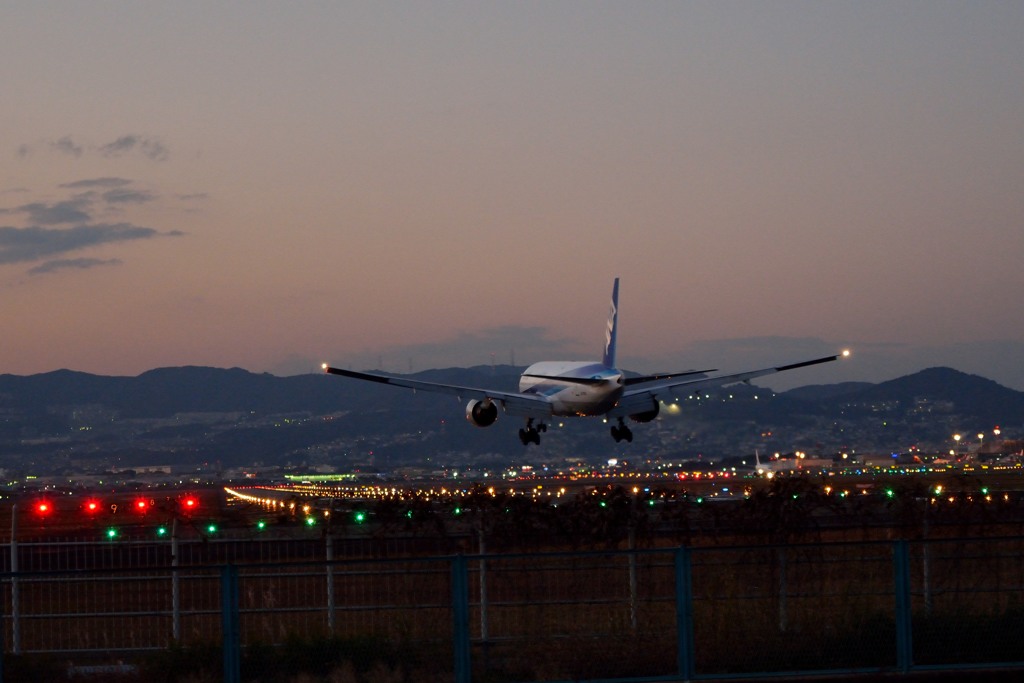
(610, 332)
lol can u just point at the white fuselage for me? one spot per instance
(579, 388)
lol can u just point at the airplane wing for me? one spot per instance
(644, 397)
(520, 405)
(668, 375)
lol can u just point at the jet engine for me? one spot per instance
(482, 413)
(647, 415)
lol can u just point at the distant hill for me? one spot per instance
(235, 416)
(818, 392)
(167, 391)
(968, 395)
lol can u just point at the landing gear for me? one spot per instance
(621, 431)
(531, 434)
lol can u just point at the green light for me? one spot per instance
(603, 504)
(261, 525)
(408, 514)
(161, 531)
(310, 521)
(984, 490)
(890, 493)
(457, 511)
(211, 529)
(111, 533)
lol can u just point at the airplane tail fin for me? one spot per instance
(610, 331)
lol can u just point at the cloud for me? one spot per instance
(124, 196)
(90, 183)
(67, 211)
(149, 147)
(511, 344)
(18, 245)
(77, 263)
(507, 344)
(78, 208)
(53, 229)
(66, 146)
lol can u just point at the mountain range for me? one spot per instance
(70, 421)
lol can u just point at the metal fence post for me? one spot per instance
(460, 619)
(232, 645)
(330, 583)
(783, 611)
(633, 591)
(175, 585)
(15, 625)
(901, 588)
(483, 584)
(684, 613)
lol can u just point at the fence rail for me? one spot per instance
(654, 614)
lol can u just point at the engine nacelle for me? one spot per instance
(482, 413)
(647, 415)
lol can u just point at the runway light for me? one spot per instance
(189, 503)
(111, 533)
(360, 517)
(43, 508)
(92, 506)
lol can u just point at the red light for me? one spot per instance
(190, 503)
(43, 507)
(141, 505)
(92, 506)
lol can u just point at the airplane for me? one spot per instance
(772, 467)
(579, 389)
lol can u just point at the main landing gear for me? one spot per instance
(531, 434)
(621, 431)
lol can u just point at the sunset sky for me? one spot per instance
(411, 185)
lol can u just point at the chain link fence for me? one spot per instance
(273, 609)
